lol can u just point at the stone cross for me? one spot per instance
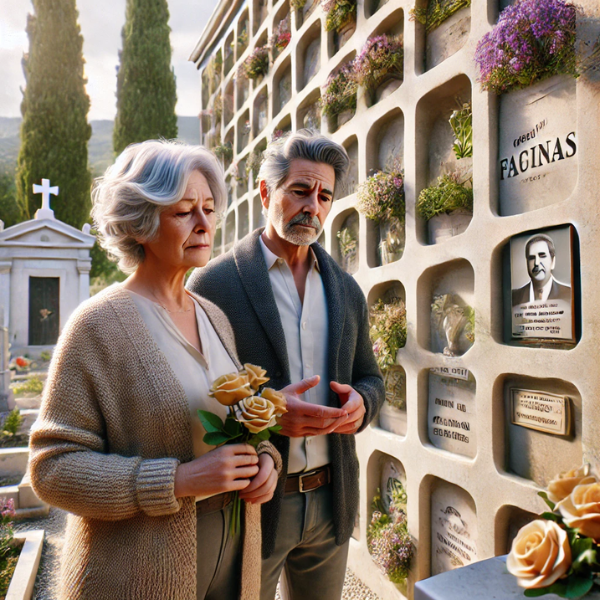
(45, 212)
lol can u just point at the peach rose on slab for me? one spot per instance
(277, 399)
(581, 510)
(256, 375)
(540, 554)
(231, 388)
(562, 485)
(256, 413)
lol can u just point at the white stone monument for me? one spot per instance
(44, 275)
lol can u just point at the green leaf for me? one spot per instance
(263, 435)
(233, 427)
(578, 586)
(211, 422)
(535, 593)
(544, 497)
(215, 438)
(275, 429)
(550, 516)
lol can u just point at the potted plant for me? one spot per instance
(461, 121)
(447, 206)
(381, 199)
(341, 15)
(257, 64)
(436, 12)
(533, 40)
(380, 61)
(338, 97)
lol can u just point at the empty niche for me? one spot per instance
(372, 6)
(345, 251)
(241, 177)
(258, 219)
(284, 126)
(451, 410)
(537, 145)
(243, 31)
(509, 519)
(242, 88)
(218, 241)
(229, 231)
(229, 143)
(243, 131)
(444, 153)
(243, 221)
(229, 185)
(446, 317)
(228, 103)
(259, 13)
(229, 53)
(442, 28)
(309, 114)
(309, 55)
(542, 427)
(281, 31)
(261, 111)
(349, 182)
(385, 143)
(453, 526)
(282, 86)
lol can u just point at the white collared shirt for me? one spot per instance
(545, 291)
(306, 329)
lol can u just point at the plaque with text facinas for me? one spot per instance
(542, 411)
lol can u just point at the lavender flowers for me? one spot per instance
(380, 58)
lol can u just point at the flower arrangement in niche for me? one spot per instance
(436, 12)
(9, 553)
(281, 35)
(533, 40)
(218, 108)
(339, 92)
(451, 319)
(461, 121)
(560, 553)
(388, 539)
(447, 195)
(253, 162)
(224, 151)
(387, 331)
(252, 413)
(297, 4)
(381, 58)
(348, 245)
(257, 64)
(242, 39)
(340, 13)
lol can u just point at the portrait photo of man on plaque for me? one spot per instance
(541, 266)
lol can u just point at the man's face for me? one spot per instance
(298, 208)
(540, 263)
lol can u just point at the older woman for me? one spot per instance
(118, 442)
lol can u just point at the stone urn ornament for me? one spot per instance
(450, 319)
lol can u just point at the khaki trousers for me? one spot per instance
(314, 567)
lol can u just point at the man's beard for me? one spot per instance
(290, 231)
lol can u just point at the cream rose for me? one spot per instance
(255, 413)
(581, 509)
(277, 399)
(231, 388)
(562, 485)
(256, 375)
(540, 554)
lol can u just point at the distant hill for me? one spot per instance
(100, 145)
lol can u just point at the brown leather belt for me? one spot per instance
(309, 481)
(214, 503)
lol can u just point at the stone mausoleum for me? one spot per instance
(496, 389)
(44, 276)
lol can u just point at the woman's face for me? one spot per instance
(187, 228)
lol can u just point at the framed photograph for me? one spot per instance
(541, 280)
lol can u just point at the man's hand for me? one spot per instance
(263, 485)
(304, 418)
(353, 403)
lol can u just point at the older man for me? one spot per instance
(298, 315)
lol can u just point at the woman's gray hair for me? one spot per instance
(145, 179)
(303, 144)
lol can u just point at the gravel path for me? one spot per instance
(54, 526)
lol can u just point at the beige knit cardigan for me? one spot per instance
(113, 427)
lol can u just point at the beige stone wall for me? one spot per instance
(492, 483)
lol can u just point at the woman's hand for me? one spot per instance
(228, 468)
(262, 487)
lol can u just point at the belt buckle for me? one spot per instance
(301, 480)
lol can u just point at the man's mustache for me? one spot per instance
(537, 269)
(305, 219)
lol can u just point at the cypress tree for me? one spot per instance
(146, 94)
(55, 131)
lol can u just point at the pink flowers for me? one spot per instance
(257, 63)
(381, 57)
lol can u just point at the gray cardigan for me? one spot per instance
(238, 283)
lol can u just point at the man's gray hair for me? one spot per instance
(303, 144)
(145, 179)
(541, 237)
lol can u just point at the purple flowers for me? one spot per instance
(381, 57)
(339, 92)
(257, 63)
(532, 40)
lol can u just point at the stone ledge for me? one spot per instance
(23, 580)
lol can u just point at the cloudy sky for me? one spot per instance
(101, 24)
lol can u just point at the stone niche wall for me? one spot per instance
(534, 167)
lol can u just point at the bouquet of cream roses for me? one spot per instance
(251, 415)
(560, 554)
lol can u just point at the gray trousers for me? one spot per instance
(219, 557)
(313, 565)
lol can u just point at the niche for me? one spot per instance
(228, 103)
(229, 231)
(218, 242)
(349, 182)
(242, 35)
(309, 55)
(303, 13)
(309, 113)
(282, 86)
(281, 31)
(260, 111)
(229, 53)
(258, 219)
(243, 221)
(345, 248)
(241, 177)
(385, 143)
(509, 519)
(242, 88)
(259, 14)
(243, 131)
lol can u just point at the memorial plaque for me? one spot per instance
(541, 411)
(451, 414)
(453, 528)
(542, 301)
(538, 148)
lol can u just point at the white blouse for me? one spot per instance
(196, 371)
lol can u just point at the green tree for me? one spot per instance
(55, 131)
(10, 211)
(146, 94)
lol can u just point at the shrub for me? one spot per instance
(446, 195)
(33, 384)
(12, 422)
